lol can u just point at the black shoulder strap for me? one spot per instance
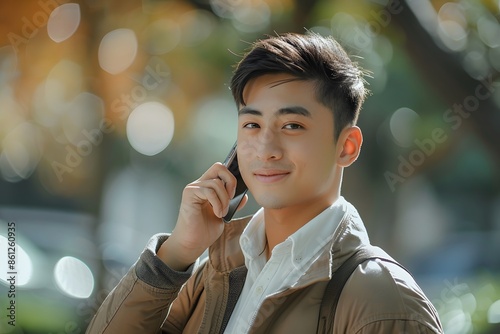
(337, 282)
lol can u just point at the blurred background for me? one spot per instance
(109, 108)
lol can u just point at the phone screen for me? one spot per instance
(231, 163)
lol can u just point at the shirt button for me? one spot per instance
(259, 290)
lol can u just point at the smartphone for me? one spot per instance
(231, 163)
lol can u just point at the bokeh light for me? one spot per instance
(252, 16)
(117, 50)
(63, 82)
(82, 115)
(452, 26)
(22, 150)
(23, 265)
(402, 126)
(476, 64)
(489, 30)
(162, 36)
(196, 26)
(494, 313)
(74, 277)
(225, 8)
(457, 322)
(150, 128)
(350, 31)
(63, 22)
(246, 15)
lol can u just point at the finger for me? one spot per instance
(220, 187)
(214, 171)
(215, 193)
(202, 195)
(230, 183)
(219, 171)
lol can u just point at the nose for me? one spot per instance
(268, 146)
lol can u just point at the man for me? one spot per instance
(298, 99)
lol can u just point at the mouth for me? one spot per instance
(270, 175)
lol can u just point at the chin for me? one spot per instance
(271, 202)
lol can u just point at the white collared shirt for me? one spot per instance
(292, 262)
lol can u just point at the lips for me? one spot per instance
(270, 175)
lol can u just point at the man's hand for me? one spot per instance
(204, 203)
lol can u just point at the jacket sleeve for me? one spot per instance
(141, 300)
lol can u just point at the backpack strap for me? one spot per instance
(336, 284)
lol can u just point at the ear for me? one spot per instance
(349, 145)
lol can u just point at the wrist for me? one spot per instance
(175, 256)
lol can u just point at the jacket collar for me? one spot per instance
(225, 254)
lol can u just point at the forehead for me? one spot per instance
(279, 87)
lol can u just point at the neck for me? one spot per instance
(282, 223)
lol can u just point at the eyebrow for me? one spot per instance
(292, 110)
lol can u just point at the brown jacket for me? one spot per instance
(379, 297)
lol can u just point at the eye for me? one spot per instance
(251, 125)
(293, 126)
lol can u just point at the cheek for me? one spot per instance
(246, 149)
(317, 163)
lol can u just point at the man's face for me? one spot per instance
(286, 148)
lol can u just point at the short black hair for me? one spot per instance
(340, 84)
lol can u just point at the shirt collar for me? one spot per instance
(307, 243)
(311, 239)
(253, 238)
